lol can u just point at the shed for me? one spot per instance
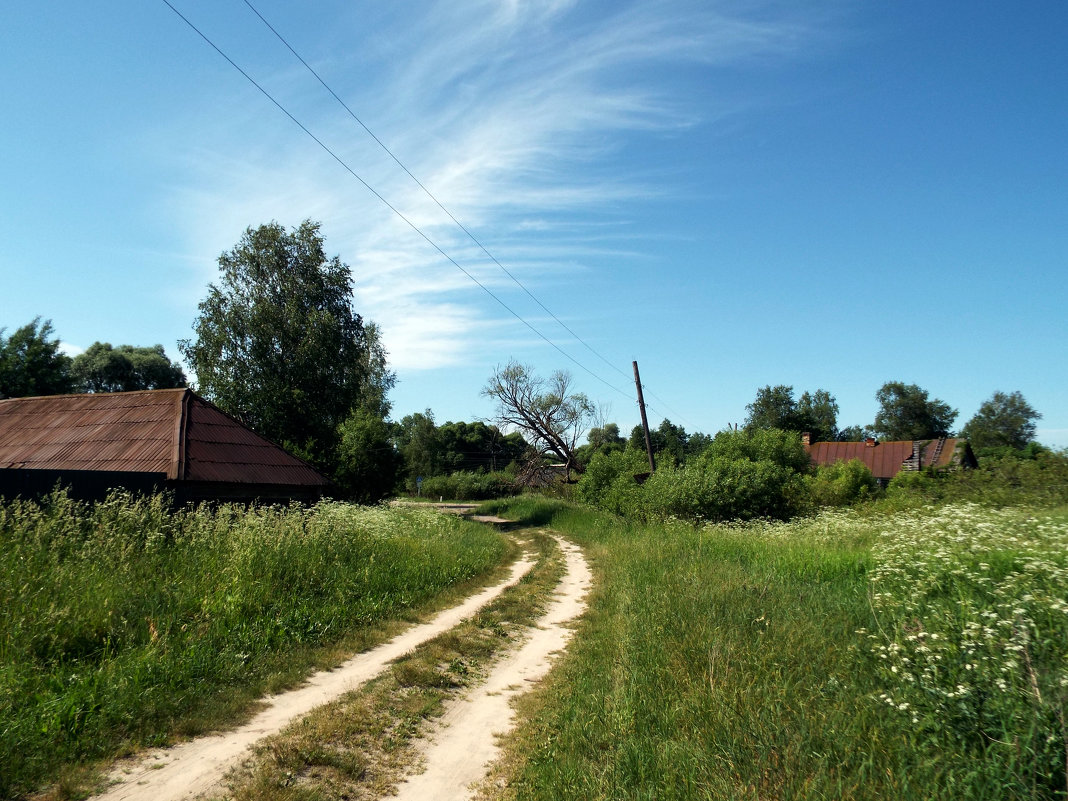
(164, 439)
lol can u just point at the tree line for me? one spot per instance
(906, 412)
(279, 346)
(32, 363)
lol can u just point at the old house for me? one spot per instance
(887, 459)
(167, 439)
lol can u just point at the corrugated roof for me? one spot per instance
(884, 459)
(170, 431)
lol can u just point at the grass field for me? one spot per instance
(127, 625)
(905, 655)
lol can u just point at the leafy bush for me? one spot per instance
(740, 476)
(609, 481)
(842, 483)
(470, 486)
(998, 481)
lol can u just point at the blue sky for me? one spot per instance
(827, 194)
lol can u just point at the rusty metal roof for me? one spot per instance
(169, 431)
(884, 459)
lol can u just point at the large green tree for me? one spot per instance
(907, 412)
(775, 407)
(1005, 420)
(103, 368)
(279, 346)
(31, 362)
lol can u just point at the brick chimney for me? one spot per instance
(870, 442)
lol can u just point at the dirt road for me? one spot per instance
(198, 766)
(464, 745)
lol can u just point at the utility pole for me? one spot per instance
(645, 421)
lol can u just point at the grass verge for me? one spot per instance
(126, 625)
(736, 662)
(361, 745)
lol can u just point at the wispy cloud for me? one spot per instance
(511, 113)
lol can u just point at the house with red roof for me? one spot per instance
(148, 441)
(887, 459)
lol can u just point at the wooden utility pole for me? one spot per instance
(645, 421)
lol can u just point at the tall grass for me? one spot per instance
(726, 662)
(125, 623)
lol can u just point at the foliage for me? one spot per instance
(609, 481)
(547, 411)
(103, 368)
(998, 481)
(468, 486)
(601, 439)
(417, 440)
(123, 623)
(432, 450)
(1005, 420)
(906, 412)
(842, 484)
(478, 447)
(31, 362)
(971, 642)
(854, 434)
(278, 345)
(368, 466)
(741, 475)
(775, 407)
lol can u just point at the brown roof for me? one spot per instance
(170, 431)
(884, 459)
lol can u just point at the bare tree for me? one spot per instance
(549, 414)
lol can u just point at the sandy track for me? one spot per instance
(465, 743)
(198, 766)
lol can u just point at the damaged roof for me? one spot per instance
(886, 459)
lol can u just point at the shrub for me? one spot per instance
(842, 483)
(740, 476)
(470, 486)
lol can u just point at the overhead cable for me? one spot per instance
(389, 205)
(430, 194)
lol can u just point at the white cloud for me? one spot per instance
(506, 111)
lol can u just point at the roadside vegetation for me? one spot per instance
(128, 624)
(870, 653)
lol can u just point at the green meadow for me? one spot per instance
(853, 654)
(126, 624)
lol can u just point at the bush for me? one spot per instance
(740, 476)
(842, 483)
(998, 481)
(470, 486)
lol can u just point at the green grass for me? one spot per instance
(126, 625)
(730, 662)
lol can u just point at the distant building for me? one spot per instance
(166, 439)
(887, 459)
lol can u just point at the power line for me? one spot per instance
(430, 194)
(389, 205)
(441, 206)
